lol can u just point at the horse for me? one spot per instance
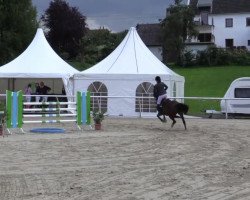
(171, 108)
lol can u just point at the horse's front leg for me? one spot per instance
(162, 120)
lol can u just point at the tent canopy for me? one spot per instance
(131, 57)
(127, 73)
(39, 60)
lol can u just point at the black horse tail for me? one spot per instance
(181, 107)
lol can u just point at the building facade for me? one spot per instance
(225, 23)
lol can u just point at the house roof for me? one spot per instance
(203, 3)
(230, 6)
(225, 6)
(151, 34)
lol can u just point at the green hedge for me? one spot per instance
(214, 56)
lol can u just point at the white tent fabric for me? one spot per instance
(129, 65)
(131, 57)
(39, 61)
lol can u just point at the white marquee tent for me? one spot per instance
(129, 71)
(37, 62)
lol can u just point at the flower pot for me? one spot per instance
(98, 126)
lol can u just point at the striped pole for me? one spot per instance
(8, 108)
(88, 108)
(20, 109)
(79, 108)
(15, 116)
(14, 110)
(83, 108)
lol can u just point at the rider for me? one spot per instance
(159, 93)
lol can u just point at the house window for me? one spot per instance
(229, 43)
(248, 21)
(144, 101)
(229, 22)
(205, 37)
(204, 18)
(98, 103)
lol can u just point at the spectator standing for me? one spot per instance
(43, 90)
(28, 91)
(37, 92)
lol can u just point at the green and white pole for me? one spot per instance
(14, 109)
(83, 108)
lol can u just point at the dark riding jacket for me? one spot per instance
(160, 89)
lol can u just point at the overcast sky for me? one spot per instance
(116, 15)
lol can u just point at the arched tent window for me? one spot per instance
(174, 90)
(145, 104)
(98, 103)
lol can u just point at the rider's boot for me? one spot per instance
(159, 109)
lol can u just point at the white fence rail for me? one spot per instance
(150, 98)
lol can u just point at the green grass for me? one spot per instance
(209, 82)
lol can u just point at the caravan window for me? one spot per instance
(242, 93)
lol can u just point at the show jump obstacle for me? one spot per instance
(55, 112)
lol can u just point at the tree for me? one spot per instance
(98, 44)
(17, 27)
(177, 27)
(66, 27)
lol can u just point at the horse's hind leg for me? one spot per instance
(172, 117)
(183, 120)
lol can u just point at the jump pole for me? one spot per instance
(15, 115)
(14, 111)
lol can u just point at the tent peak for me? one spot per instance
(39, 59)
(132, 56)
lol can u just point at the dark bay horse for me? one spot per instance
(171, 108)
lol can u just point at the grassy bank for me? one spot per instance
(209, 82)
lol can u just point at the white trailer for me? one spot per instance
(237, 97)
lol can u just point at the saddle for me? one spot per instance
(164, 100)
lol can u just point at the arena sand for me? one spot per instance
(129, 159)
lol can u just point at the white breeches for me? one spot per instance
(160, 98)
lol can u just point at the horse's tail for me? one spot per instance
(181, 107)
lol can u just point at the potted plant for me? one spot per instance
(98, 117)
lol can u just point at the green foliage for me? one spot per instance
(98, 44)
(80, 65)
(188, 59)
(17, 27)
(66, 27)
(177, 26)
(209, 82)
(98, 117)
(214, 56)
